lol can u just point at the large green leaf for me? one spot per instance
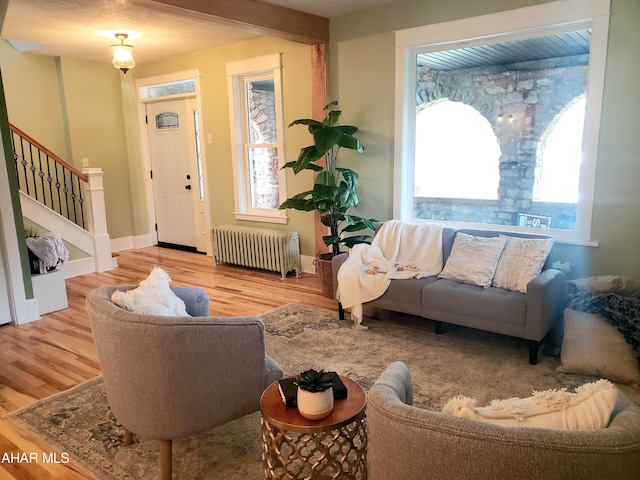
(326, 138)
(305, 205)
(350, 142)
(347, 129)
(330, 105)
(354, 240)
(349, 176)
(332, 117)
(307, 156)
(326, 220)
(302, 194)
(324, 192)
(326, 178)
(331, 239)
(305, 121)
(355, 223)
(347, 197)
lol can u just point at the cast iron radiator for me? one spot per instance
(275, 250)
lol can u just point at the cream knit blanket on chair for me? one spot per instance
(398, 251)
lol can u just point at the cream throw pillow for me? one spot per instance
(521, 261)
(473, 259)
(153, 296)
(592, 346)
(589, 408)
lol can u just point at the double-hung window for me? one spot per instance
(255, 104)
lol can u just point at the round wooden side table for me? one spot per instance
(334, 447)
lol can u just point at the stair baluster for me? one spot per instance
(66, 199)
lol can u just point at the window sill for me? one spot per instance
(275, 216)
(559, 236)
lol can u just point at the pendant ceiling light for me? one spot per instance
(122, 54)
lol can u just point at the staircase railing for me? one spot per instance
(47, 178)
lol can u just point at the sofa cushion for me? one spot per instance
(407, 291)
(473, 259)
(521, 261)
(459, 301)
(589, 408)
(592, 346)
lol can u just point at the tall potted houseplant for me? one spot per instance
(334, 191)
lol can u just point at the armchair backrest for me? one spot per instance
(168, 377)
(412, 443)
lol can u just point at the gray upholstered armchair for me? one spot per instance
(170, 377)
(410, 443)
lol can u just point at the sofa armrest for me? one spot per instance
(545, 296)
(336, 263)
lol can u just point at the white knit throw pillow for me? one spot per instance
(153, 296)
(473, 259)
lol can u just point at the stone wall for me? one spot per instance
(264, 161)
(533, 93)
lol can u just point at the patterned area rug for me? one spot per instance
(460, 362)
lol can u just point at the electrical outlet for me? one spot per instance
(209, 138)
(85, 162)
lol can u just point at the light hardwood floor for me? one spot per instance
(57, 352)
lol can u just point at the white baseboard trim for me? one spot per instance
(75, 268)
(307, 264)
(132, 242)
(142, 241)
(33, 311)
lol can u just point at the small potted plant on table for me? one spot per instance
(315, 394)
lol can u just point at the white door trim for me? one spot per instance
(141, 85)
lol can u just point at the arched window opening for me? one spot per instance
(457, 153)
(560, 155)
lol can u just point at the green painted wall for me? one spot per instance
(93, 106)
(362, 79)
(89, 109)
(18, 227)
(75, 108)
(296, 81)
(33, 98)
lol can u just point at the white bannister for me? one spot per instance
(97, 218)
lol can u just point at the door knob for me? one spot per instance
(187, 187)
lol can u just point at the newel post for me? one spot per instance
(97, 219)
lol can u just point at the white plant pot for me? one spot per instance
(315, 405)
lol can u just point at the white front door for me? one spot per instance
(174, 174)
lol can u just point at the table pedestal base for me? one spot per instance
(335, 454)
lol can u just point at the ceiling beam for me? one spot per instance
(257, 17)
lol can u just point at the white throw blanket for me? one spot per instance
(49, 249)
(398, 251)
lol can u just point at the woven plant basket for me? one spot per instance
(324, 271)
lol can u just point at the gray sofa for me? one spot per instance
(527, 316)
(411, 443)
